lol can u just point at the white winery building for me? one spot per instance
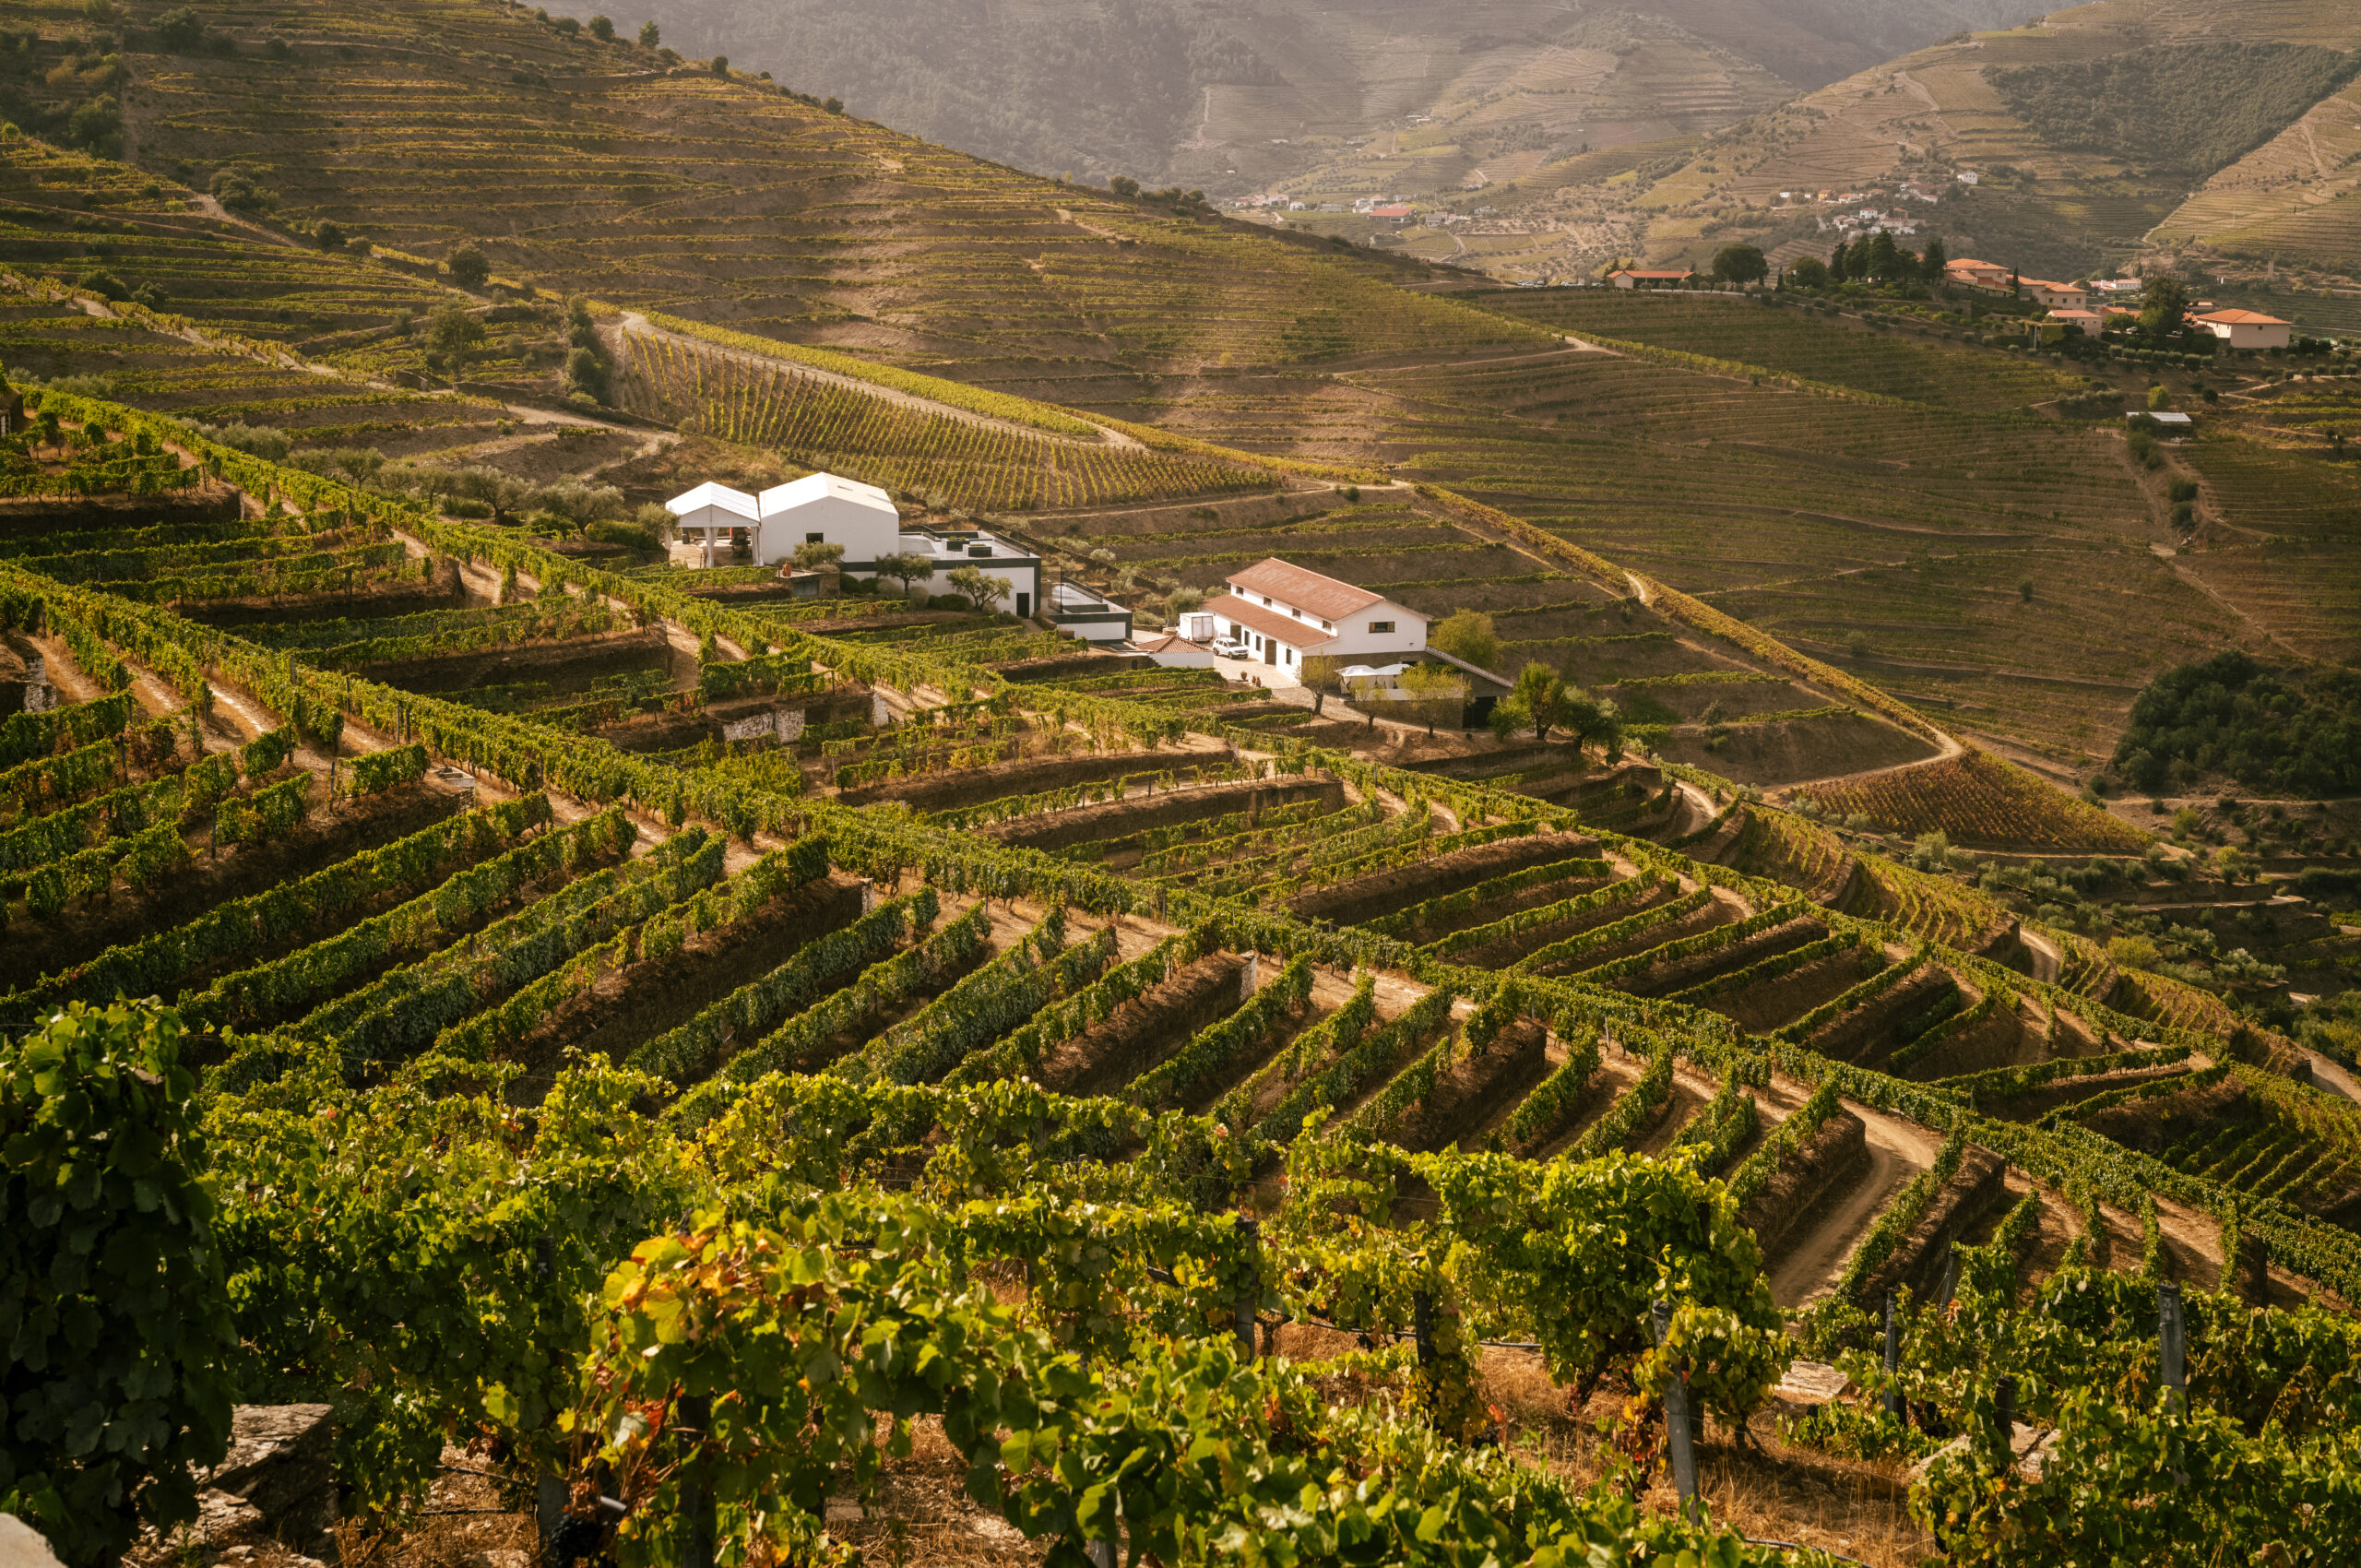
(827, 509)
(816, 509)
(862, 520)
(714, 515)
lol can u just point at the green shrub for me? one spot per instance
(609, 532)
(117, 1382)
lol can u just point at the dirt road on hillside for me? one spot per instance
(1815, 1261)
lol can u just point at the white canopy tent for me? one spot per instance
(712, 513)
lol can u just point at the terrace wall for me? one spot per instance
(1973, 1190)
(1829, 1160)
(1116, 819)
(1361, 897)
(34, 519)
(1026, 775)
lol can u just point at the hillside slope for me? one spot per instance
(724, 199)
(1233, 98)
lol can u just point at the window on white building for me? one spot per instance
(1377, 626)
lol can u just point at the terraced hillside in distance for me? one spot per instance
(722, 197)
(966, 910)
(2234, 168)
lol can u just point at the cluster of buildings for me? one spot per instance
(1274, 613)
(2093, 308)
(1869, 220)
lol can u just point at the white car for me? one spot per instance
(1230, 648)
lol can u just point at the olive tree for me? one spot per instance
(906, 566)
(978, 586)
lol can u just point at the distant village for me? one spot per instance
(2090, 306)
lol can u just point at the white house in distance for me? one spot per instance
(1649, 278)
(1284, 615)
(2244, 329)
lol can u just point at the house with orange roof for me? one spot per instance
(2244, 329)
(1648, 278)
(2087, 322)
(2056, 296)
(1284, 614)
(1971, 273)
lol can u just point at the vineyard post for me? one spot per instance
(1422, 1331)
(1677, 1434)
(1892, 1359)
(549, 1489)
(2004, 1421)
(2172, 1346)
(1944, 1291)
(1249, 1235)
(696, 1501)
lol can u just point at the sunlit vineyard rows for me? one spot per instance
(966, 461)
(1975, 799)
(1787, 342)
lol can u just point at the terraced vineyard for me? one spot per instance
(725, 199)
(1100, 1070)
(1733, 327)
(1976, 798)
(823, 423)
(990, 935)
(1864, 498)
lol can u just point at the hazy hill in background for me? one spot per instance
(1543, 139)
(1233, 95)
